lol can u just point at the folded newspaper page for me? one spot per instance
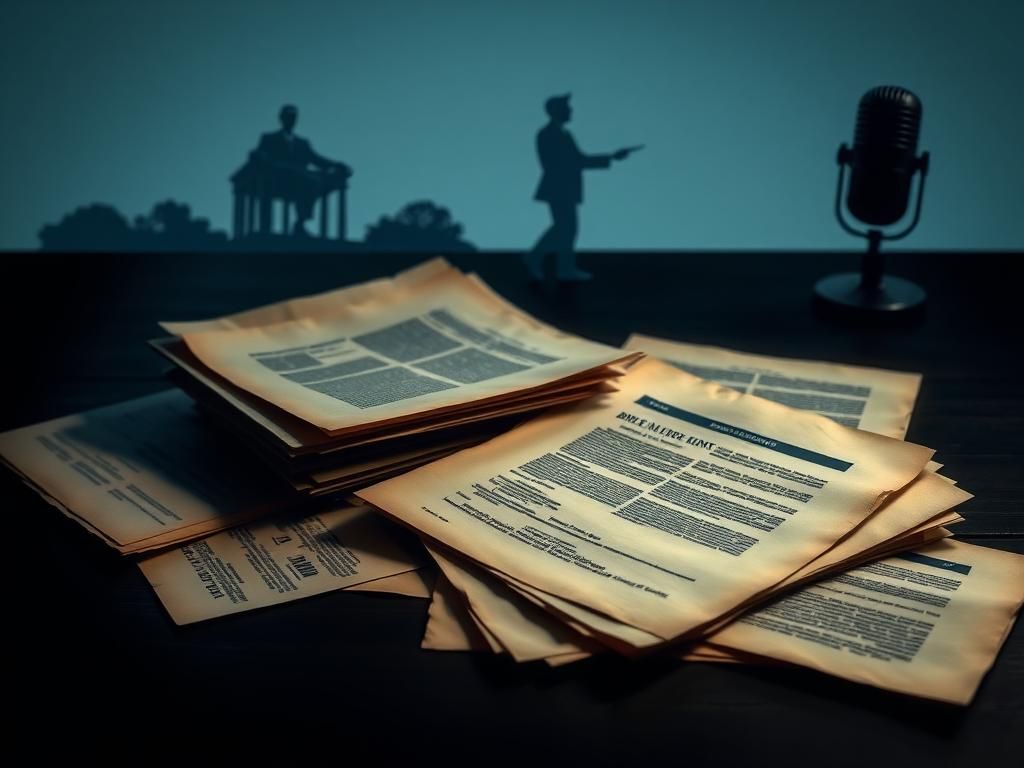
(866, 398)
(258, 565)
(145, 473)
(928, 623)
(662, 506)
(388, 359)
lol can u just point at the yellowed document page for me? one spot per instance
(923, 507)
(866, 398)
(915, 540)
(449, 625)
(528, 632)
(387, 359)
(926, 503)
(661, 506)
(261, 419)
(290, 430)
(588, 625)
(627, 639)
(522, 628)
(927, 623)
(144, 468)
(254, 566)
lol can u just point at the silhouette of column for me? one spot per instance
(238, 219)
(253, 224)
(266, 225)
(286, 218)
(323, 214)
(342, 223)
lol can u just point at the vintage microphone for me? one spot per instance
(882, 164)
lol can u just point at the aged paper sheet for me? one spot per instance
(449, 626)
(144, 470)
(866, 398)
(522, 628)
(583, 622)
(388, 359)
(529, 633)
(907, 519)
(259, 420)
(928, 623)
(658, 516)
(927, 502)
(257, 565)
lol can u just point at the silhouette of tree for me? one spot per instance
(419, 226)
(100, 227)
(170, 226)
(93, 227)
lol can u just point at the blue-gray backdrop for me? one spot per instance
(741, 105)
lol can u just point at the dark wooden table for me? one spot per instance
(344, 672)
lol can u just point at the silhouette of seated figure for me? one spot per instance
(285, 166)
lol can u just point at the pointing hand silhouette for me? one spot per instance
(625, 152)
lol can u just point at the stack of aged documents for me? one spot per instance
(149, 474)
(578, 499)
(686, 516)
(338, 390)
(329, 392)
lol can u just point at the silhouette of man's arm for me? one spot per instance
(584, 160)
(317, 160)
(625, 152)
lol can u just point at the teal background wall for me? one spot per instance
(741, 105)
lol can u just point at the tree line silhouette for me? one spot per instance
(170, 226)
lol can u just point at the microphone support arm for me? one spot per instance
(872, 262)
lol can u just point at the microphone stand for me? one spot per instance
(871, 263)
(871, 291)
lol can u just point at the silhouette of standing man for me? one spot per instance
(561, 187)
(291, 157)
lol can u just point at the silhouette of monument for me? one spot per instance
(101, 227)
(561, 187)
(419, 226)
(285, 167)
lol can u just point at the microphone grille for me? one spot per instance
(888, 115)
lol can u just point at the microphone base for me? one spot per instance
(894, 296)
